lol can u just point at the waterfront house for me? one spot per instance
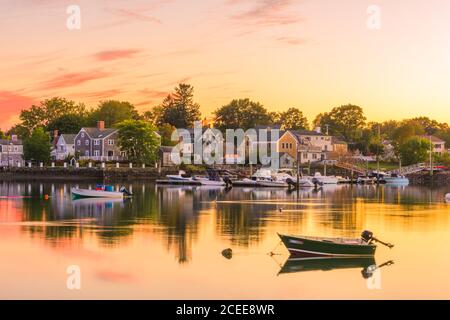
(312, 146)
(98, 144)
(11, 152)
(437, 143)
(165, 157)
(64, 147)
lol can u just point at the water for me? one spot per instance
(166, 243)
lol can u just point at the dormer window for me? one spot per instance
(82, 134)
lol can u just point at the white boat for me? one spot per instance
(396, 179)
(245, 182)
(305, 183)
(272, 183)
(87, 193)
(447, 198)
(205, 181)
(365, 180)
(325, 179)
(178, 177)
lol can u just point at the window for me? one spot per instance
(82, 134)
(326, 148)
(96, 142)
(282, 145)
(110, 142)
(86, 142)
(110, 153)
(97, 153)
(78, 142)
(290, 145)
(305, 156)
(314, 155)
(16, 149)
(86, 153)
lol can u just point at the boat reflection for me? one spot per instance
(368, 265)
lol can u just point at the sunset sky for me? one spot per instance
(311, 54)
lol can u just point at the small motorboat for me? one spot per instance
(396, 179)
(305, 246)
(212, 178)
(365, 180)
(272, 183)
(246, 182)
(99, 192)
(320, 179)
(181, 176)
(447, 198)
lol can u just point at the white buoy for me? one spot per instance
(447, 198)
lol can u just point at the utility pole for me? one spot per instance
(298, 167)
(431, 157)
(378, 154)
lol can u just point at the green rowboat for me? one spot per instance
(304, 246)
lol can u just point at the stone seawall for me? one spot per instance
(425, 179)
(77, 174)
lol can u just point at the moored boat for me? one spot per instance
(305, 246)
(396, 179)
(181, 176)
(320, 179)
(88, 193)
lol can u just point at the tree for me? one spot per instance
(68, 123)
(47, 111)
(242, 113)
(138, 139)
(292, 119)
(344, 121)
(178, 109)
(2, 135)
(114, 112)
(37, 147)
(414, 150)
(405, 132)
(429, 126)
(165, 132)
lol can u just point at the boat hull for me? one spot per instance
(85, 193)
(304, 247)
(272, 184)
(398, 181)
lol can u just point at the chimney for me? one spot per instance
(318, 129)
(101, 125)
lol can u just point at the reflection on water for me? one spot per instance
(167, 241)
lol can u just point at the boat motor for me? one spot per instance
(368, 237)
(126, 192)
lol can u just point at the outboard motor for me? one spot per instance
(367, 236)
(126, 192)
(291, 183)
(228, 182)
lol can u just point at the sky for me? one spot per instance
(309, 54)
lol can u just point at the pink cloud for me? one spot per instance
(265, 13)
(73, 79)
(134, 15)
(105, 94)
(292, 41)
(115, 54)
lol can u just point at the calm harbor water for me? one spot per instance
(166, 243)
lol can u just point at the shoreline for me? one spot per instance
(152, 174)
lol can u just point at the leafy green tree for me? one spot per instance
(20, 131)
(414, 150)
(429, 126)
(292, 119)
(242, 113)
(166, 131)
(114, 112)
(405, 132)
(68, 123)
(2, 135)
(37, 147)
(48, 111)
(138, 139)
(178, 109)
(344, 121)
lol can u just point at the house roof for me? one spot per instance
(69, 138)
(433, 139)
(307, 133)
(7, 142)
(96, 133)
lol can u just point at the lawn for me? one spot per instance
(383, 165)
